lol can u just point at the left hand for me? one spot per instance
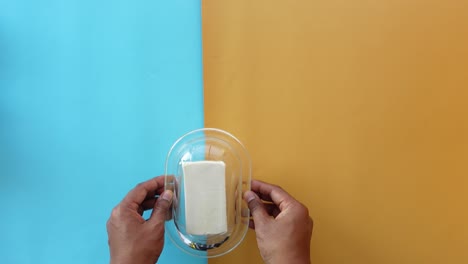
(131, 238)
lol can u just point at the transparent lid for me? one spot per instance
(208, 170)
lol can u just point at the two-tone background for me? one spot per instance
(358, 108)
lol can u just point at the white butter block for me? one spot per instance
(205, 197)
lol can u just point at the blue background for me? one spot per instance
(92, 96)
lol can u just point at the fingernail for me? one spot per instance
(166, 195)
(249, 196)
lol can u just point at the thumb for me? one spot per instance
(161, 207)
(256, 207)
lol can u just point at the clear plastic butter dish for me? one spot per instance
(208, 170)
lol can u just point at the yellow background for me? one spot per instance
(357, 108)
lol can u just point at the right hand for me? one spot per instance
(282, 225)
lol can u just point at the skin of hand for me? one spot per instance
(132, 239)
(282, 225)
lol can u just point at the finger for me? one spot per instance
(256, 207)
(161, 208)
(170, 182)
(147, 205)
(278, 196)
(155, 193)
(252, 224)
(151, 194)
(272, 209)
(160, 190)
(149, 201)
(264, 197)
(148, 188)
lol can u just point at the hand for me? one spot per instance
(131, 238)
(282, 225)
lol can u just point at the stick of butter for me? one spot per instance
(205, 197)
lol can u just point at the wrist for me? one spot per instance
(289, 260)
(129, 260)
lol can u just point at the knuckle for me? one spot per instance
(110, 224)
(277, 187)
(301, 209)
(254, 206)
(115, 212)
(305, 209)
